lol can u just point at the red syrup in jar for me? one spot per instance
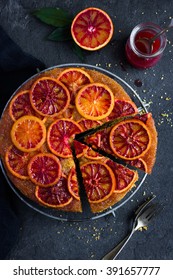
(143, 47)
(138, 53)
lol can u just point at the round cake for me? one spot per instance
(67, 129)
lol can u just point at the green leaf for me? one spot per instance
(53, 16)
(78, 51)
(61, 34)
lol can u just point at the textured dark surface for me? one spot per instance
(44, 238)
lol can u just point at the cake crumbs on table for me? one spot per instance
(108, 65)
(166, 116)
(98, 64)
(143, 228)
(96, 236)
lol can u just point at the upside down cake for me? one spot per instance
(40, 139)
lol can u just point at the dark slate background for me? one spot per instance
(44, 238)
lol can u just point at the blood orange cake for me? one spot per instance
(38, 129)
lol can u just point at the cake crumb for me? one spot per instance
(164, 115)
(143, 228)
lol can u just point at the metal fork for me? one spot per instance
(143, 216)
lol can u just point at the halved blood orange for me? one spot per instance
(122, 108)
(28, 133)
(130, 139)
(49, 97)
(125, 178)
(92, 29)
(60, 134)
(17, 162)
(95, 101)
(20, 106)
(73, 184)
(44, 169)
(74, 79)
(56, 196)
(98, 180)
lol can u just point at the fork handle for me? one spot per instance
(116, 250)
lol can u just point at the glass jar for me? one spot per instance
(136, 51)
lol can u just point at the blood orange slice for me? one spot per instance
(74, 79)
(68, 113)
(28, 133)
(56, 196)
(139, 163)
(100, 140)
(44, 169)
(60, 134)
(122, 108)
(17, 162)
(98, 180)
(73, 184)
(125, 178)
(143, 118)
(49, 97)
(95, 101)
(92, 154)
(130, 139)
(20, 106)
(87, 124)
(92, 29)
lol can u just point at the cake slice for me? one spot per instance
(105, 181)
(133, 140)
